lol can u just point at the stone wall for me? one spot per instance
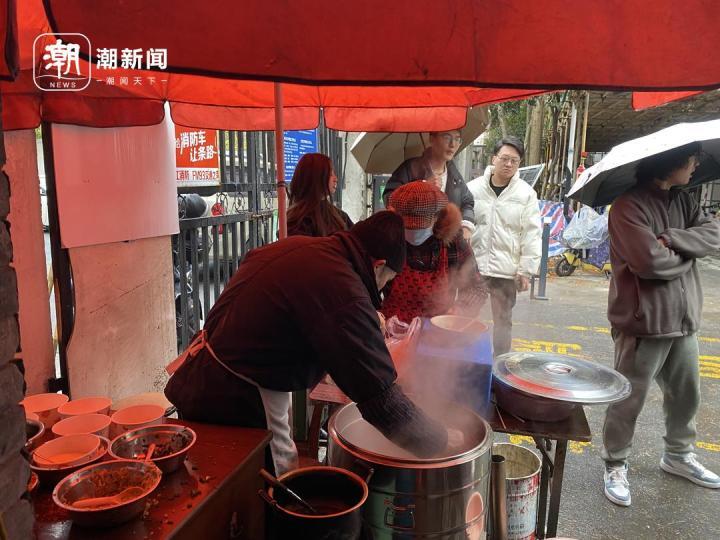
(16, 517)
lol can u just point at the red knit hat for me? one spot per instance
(418, 203)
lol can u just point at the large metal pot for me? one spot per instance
(336, 494)
(443, 498)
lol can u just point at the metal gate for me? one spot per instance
(208, 250)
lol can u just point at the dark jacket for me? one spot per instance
(455, 189)
(294, 311)
(655, 291)
(306, 227)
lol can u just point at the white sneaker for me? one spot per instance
(687, 466)
(617, 487)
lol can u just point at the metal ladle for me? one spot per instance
(270, 479)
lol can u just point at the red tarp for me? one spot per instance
(608, 44)
(359, 44)
(215, 103)
(647, 100)
(9, 60)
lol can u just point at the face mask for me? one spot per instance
(417, 236)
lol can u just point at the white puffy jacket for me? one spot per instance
(508, 235)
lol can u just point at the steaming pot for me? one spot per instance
(443, 498)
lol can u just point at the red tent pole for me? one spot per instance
(280, 162)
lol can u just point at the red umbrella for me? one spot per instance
(647, 100)
(659, 45)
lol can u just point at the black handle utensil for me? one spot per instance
(270, 479)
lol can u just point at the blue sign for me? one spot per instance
(298, 143)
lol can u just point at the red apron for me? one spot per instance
(418, 293)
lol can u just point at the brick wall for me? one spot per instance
(16, 517)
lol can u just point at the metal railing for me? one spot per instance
(213, 248)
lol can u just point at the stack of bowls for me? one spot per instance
(45, 406)
(55, 459)
(97, 424)
(135, 417)
(86, 405)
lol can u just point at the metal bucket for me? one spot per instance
(441, 498)
(522, 483)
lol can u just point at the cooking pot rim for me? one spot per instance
(415, 463)
(322, 468)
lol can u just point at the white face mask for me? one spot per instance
(417, 236)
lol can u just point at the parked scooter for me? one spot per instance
(579, 258)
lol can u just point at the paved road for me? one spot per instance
(573, 322)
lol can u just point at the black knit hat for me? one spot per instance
(383, 237)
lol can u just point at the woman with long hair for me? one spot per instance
(311, 211)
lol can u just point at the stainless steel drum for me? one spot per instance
(443, 498)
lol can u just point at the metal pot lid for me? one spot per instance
(564, 378)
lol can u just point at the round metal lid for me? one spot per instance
(564, 378)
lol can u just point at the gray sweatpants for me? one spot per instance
(673, 363)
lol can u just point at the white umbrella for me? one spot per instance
(614, 174)
(382, 153)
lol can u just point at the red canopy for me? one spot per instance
(609, 44)
(647, 100)
(9, 61)
(217, 103)
(343, 49)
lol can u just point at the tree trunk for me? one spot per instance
(528, 124)
(534, 150)
(501, 120)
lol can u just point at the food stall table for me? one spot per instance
(214, 495)
(573, 428)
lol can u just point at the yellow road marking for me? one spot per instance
(530, 345)
(709, 366)
(707, 359)
(713, 447)
(521, 439)
(595, 329)
(578, 447)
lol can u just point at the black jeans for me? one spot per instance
(503, 295)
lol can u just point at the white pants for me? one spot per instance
(277, 416)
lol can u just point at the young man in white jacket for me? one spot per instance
(507, 241)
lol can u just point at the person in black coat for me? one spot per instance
(436, 165)
(295, 310)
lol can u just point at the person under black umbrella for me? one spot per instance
(657, 233)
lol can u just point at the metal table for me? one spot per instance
(551, 438)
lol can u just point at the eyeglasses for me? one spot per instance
(507, 160)
(449, 139)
